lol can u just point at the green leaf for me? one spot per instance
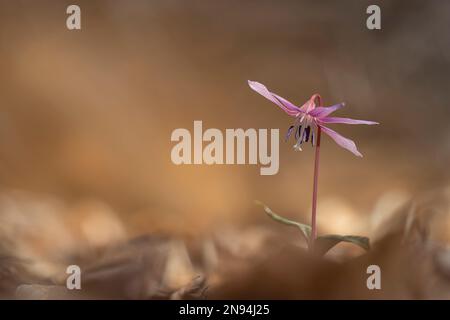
(304, 228)
(324, 243)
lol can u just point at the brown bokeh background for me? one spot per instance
(86, 118)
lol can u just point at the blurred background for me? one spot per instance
(86, 118)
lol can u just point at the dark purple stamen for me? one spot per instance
(288, 133)
(307, 131)
(297, 133)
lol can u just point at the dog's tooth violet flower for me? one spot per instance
(309, 118)
(310, 121)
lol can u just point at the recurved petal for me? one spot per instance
(286, 103)
(307, 106)
(345, 120)
(321, 112)
(287, 106)
(342, 141)
(312, 103)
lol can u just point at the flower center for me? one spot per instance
(304, 128)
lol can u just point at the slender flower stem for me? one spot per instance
(316, 178)
(315, 183)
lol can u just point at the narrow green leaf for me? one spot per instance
(304, 228)
(324, 243)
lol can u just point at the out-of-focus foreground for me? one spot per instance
(85, 170)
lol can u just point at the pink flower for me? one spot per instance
(310, 116)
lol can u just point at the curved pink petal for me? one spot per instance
(287, 106)
(342, 141)
(287, 103)
(345, 120)
(310, 105)
(321, 112)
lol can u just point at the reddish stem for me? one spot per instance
(315, 182)
(314, 199)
